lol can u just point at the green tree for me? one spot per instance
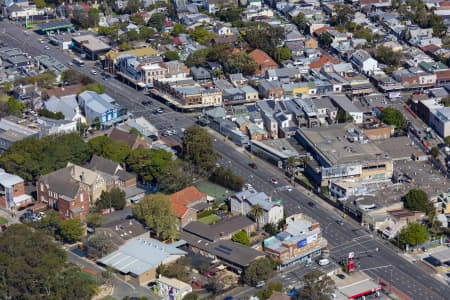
(95, 87)
(325, 39)
(413, 234)
(280, 54)
(156, 21)
(146, 33)
(105, 147)
(392, 116)
(71, 230)
(39, 4)
(241, 62)
(343, 116)
(388, 57)
(256, 212)
(214, 286)
(94, 219)
(49, 114)
(101, 243)
(264, 294)
(317, 286)
(171, 55)
(135, 132)
(125, 47)
(226, 178)
(291, 163)
(434, 152)
(263, 36)
(417, 200)
(343, 14)
(133, 35)
(114, 198)
(201, 35)
(178, 175)
(93, 17)
(241, 237)
(301, 21)
(16, 107)
(275, 286)
(178, 29)
(30, 262)
(7, 86)
(32, 157)
(258, 270)
(197, 58)
(133, 6)
(447, 140)
(149, 165)
(138, 20)
(198, 149)
(73, 77)
(156, 212)
(271, 229)
(191, 296)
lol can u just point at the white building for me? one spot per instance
(67, 105)
(243, 202)
(364, 62)
(344, 103)
(171, 288)
(440, 121)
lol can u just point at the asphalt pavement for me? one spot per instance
(405, 276)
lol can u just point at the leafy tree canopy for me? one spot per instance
(392, 116)
(241, 62)
(263, 36)
(49, 114)
(417, 200)
(413, 234)
(258, 270)
(71, 230)
(171, 55)
(114, 198)
(156, 212)
(241, 237)
(105, 147)
(317, 286)
(198, 149)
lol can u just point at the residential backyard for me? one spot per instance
(218, 192)
(211, 219)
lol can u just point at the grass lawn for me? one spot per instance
(109, 298)
(211, 219)
(3, 220)
(88, 276)
(214, 190)
(306, 181)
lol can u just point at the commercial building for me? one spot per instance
(243, 202)
(300, 241)
(440, 121)
(100, 106)
(138, 259)
(342, 151)
(12, 192)
(342, 102)
(90, 46)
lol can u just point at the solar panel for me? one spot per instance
(226, 248)
(222, 250)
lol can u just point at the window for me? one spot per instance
(42, 187)
(81, 197)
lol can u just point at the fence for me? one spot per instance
(390, 288)
(428, 244)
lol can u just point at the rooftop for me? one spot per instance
(140, 255)
(91, 42)
(337, 144)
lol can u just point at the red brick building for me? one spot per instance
(263, 60)
(186, 203)
(12, 192)
(64, 194)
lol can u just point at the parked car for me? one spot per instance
(274, 181)
(324, 262)
(260, 284)
(253, 166)
(312, 204)
(340, 222)
(93, 72)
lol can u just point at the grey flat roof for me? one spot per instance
(91, 42)
(443, 256)
(140, 255)
(343, 102)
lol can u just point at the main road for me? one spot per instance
(407, 277)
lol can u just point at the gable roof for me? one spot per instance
(179, 210)
(62, 183)
(323, 59)
(102, 164)
(262, 58)
(187, 195)
(122, 136)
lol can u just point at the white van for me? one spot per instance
(324, 262)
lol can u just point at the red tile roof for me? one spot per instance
(178, 209)
(430, 48)
(177, 41)
(64, 91)
(262, 58)
(324, 59)
(443, 75)
(168, 24)
(321, 30)
(444, 3)
(187, 195)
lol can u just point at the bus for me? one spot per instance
(78, 62)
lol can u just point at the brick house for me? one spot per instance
(263, 60)
(106, 166)
(12, 192)
(64, 194)
(186, 203)
(270, 89)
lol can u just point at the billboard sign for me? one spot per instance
(302, 243)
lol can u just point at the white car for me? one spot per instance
(93, 72)
(324, 262)
(47, 48)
